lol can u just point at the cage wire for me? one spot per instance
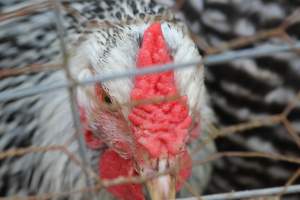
(219, 54)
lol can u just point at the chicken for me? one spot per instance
(141, 139)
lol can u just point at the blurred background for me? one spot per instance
(246, 89)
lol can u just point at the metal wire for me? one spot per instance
(249, 193)
(72, 97)
(209, 60)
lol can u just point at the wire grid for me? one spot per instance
(223, 54)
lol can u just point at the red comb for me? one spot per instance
(159, 127)
(112, 166)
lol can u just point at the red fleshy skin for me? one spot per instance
(161, 127)
(185, 170)
(91, 141)
(112, 166)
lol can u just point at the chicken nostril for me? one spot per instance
(140, 40)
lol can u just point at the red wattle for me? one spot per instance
(158, 127)
(112, 166)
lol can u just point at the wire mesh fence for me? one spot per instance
(222, 53)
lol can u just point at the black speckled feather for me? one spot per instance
(244, 89)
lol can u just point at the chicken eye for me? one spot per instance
(107, 99)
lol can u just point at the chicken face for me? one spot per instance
(148, 137)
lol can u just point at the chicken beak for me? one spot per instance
(162, 188)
